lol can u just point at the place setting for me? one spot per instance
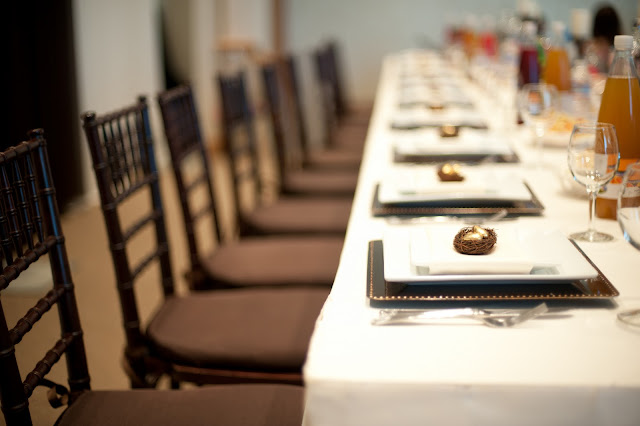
(451, 263)
(407, 119)
(453, 188)
(452, 142)
(422, 270)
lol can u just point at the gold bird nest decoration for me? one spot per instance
(475, 240)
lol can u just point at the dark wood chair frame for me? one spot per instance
(238, 117)
(277, 109)
(179, 116)
(29, 229)
(122, 169)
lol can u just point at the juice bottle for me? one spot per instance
(529, 70)
(488, 38)
(469, 36)
(636, 44)
(620, 106)
(557, 70)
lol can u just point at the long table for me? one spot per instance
(579, 366)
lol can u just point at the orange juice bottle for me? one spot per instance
(469, 36)
(557, 70)
(620, 106)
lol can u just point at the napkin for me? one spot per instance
(432, 253)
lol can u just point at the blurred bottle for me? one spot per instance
(580, 77)
(636, 44)
(488, 37)
(557, 70)
(453, 32)
(509, 28)
(470, 36)
(580, 23)
(620, 106)
(529, 11)
(529, 67)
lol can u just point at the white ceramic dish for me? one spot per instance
(521, 255)
(469, 142)
(423, 185)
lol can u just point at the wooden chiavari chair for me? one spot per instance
(30, 232)
(240, 335)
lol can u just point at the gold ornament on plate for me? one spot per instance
(450, 172)
(475, 240)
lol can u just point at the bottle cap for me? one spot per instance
(623, 42)
(558, 27)
(580, 23)
(529, 27)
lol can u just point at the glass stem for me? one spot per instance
(592, 212)
(539, 133)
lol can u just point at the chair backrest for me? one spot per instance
(192, 171)
(122, 152)
(333, 70)
(328, 92)
(293, 85)
(239, 136)
(30, 229)
(280, 108)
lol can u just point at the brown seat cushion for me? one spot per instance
(238, 405)
(358, 115)
(334, 159)
(275, 261)
(321, 183)
(264, 329)
(300, 216)
(349, 137)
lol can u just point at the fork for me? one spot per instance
(491, 318)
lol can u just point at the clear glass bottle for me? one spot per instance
(636, 44)
(529, 68)
(557, 70)
(621, 106)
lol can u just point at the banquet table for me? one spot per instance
(578, 365)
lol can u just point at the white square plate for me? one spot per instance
(470, 142)
(412, 253)
(422, 184)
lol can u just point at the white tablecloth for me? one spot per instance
(577, 367)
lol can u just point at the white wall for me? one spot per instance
(250, 19)
(191, 27)
(368, 29)
(118, 57)
(119, 54)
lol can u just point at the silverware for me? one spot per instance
(491, 317)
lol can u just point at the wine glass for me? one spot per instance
(629, 220)
(536, 104)
(593, 159)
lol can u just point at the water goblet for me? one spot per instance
(629, 205)
(593, 159)
(536, 104)
(629, 221)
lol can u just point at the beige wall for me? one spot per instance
(369, 29)
(118, 57)
(119, 52)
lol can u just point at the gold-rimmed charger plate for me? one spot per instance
(379, 290)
